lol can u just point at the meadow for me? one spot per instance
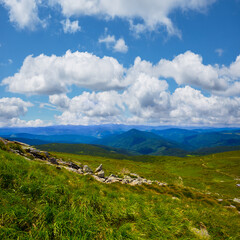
(40, 201)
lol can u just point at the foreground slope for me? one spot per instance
(40, 201)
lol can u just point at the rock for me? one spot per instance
(100, 174)
(135, 182)
(112, 180)
(113, 176)
(58, 168)
(231, 207)
(99, 179)
(80, 171)
(237, 200)
(175, 198)
(134, 175)
(98, 169)
(149, 182)
(73, 165)
(53, 160)
(238, 185)
(87, 169)
(162, 184)
(36, 153)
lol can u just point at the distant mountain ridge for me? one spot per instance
(147, 141)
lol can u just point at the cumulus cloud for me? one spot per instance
(70, 27)
(190, 106)
(150, 105)
(111, 42)
(11, 109)
(147, 97)
(188, 69)
(90, 108)
(23, 13)
(153, 13)
(53, 75)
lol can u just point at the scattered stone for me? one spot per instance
(135, 182)
(87, 169)
(98, 169)
(149, 182)
(134, 175)
(80, 171)
(53, 160)
(238, 185)
(58, 168)
(230, 207)
(219, 200)
(111, 180)
(73, 165)
(237, 200)
(99, 179)
(175, 198)
(113, 176)
(100, 174)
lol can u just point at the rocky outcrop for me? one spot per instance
(29, 153)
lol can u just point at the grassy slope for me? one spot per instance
(85, 149)
(215, 173)
(38, 201)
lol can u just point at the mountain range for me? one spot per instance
(132, 140)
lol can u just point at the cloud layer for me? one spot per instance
(11, 109)
(152, 13)
(138, 94)
(49, 75)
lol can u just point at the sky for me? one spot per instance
(148, 62)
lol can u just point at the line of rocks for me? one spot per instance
(29, 152)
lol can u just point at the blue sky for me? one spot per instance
(152, 62)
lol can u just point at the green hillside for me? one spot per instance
(40, 201)
(141, 142)
(85, 149)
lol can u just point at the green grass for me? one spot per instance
(38, 201)
(215, 173)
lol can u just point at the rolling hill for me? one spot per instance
(144, 143)
(44, 201)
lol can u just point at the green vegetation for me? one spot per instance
(85, 149)
(39, 201)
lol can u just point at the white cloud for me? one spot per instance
(90, 108)
(188, 68)
(154, 13)
(11, 109)
(109, 39)
(70, 27)
(219, 52)
(148, 102)
(111, 42)
(53, 75)
(147, 97)
(190, 106)
(23, 13)
(49, 75)
(120, 46)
